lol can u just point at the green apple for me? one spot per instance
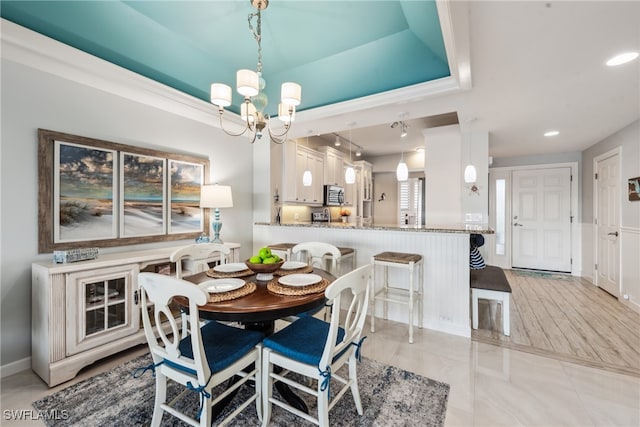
(269, 260)
(264, 253)
(275, 257)
(255, 260)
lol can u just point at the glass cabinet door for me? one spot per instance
(101, 307)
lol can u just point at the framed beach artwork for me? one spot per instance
(84, 193)
(95, 193)
(634, 189)
(185, 180)
(142, 195)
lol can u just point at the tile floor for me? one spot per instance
(490, 386)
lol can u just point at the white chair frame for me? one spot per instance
(354, 284)
(158, 290)
(314, 253)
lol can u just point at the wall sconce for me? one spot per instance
(382, 197)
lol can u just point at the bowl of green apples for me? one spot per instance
(264, 264)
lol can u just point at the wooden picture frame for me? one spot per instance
(94, 193)
(634, 189)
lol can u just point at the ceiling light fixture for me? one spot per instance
(622, 58)
(250, 84)
(470, 174)
(551, 133)
(402, 171)
(307, 178)
(349, 173)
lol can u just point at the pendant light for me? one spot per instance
(470, 171)
(350, 174)
(402, 171)
(307, 178)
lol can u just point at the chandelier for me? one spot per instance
(250, 84)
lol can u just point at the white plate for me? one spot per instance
(293, 265)
(216, 286)
(232, 267)
(299, 279)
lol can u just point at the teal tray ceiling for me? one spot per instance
(336, 50)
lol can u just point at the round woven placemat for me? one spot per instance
(301, 270)
(220, 275)
(278, 288)
(247, 289)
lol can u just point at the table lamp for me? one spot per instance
(216, 196)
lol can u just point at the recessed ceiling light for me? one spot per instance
(622, 58)
(551, 133)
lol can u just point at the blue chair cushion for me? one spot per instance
(303, 340)
(223, 345)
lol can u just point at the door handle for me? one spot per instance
(515, 224)
(615, 233)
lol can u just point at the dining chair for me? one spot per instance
(317, 349)
(208, 356)
(315, 254)
(196, 256)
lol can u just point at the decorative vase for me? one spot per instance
(344, 219)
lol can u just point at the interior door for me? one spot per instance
(541, 226)
(608, 224)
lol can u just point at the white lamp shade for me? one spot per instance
(247, 82)
(307, 179)
(220, 95)
(283, 112)
(470, 174)
(251, 113)
(402, 172)
(291, 93)
(216, 196)
(350, 175)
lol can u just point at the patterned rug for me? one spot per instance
(390, 397)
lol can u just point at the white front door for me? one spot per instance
(541, 219)
(608, 224)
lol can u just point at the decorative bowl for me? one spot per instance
(264, 272)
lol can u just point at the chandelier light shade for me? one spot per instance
(470, 174)
(250, 84)
(216, 197)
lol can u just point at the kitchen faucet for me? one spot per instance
(327, 214)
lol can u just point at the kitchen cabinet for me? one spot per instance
(333, 166)
(364, 191)
(350, 190)
(87, 310)
(289, 161)
(307, 159)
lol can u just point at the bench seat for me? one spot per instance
(492, 284)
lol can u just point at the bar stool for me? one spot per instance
(346, 253)
(405, 296)
(283, 250)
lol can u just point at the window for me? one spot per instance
(410, 202)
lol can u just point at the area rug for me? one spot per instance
(390, 397)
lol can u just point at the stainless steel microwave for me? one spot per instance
(333, 195)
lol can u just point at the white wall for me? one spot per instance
(443, 175)
(628, 139)
(32, 99)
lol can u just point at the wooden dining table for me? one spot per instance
(259, 311)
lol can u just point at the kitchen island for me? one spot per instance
(445, 249)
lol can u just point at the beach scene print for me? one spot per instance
(143, 206)
(85, 204)
(184, 188)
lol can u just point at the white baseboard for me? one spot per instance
(15, 367)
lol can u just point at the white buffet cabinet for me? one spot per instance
(87, 310)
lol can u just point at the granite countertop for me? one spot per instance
(433, 228)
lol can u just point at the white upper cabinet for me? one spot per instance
(333, 166)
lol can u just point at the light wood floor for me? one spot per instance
(566, 318)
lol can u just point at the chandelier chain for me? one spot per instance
(257, 35)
